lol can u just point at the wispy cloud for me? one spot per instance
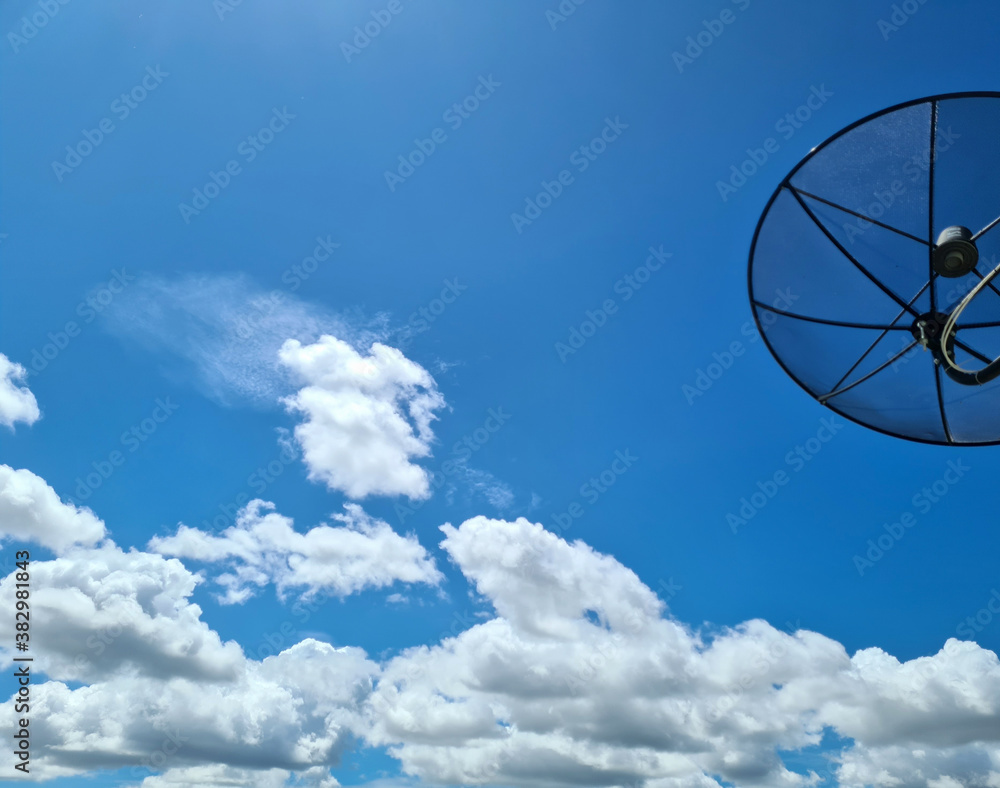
(223, 332)
(479, 484)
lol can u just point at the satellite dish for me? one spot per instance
(871, 271)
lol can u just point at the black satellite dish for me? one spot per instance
(871, 266)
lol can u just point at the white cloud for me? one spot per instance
(17, 403)
(292, 711)
(103, 611)
(478, 482)
(496, 492)
(30, 510)
(221, 776)
(926, 722)
(933, 699)
(217, 776)
(366, 417)
(264, 548)
(542, 584)
(580, 680)
(914, 766)
(225, 331)
(165, 690)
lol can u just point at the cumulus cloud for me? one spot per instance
(904, 766)
(580, 680)
(934, 721)
(225, 332)
(292, 711)
(366, 417)
(264, 548)
(542, 584)
(17, 403)
(163, 686)
(578, 677)
(31, 511)
(99, 612)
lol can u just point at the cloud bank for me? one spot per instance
(580, 680)
(578, 676)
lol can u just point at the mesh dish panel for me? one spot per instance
(840, 268)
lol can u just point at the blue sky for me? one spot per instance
(524, 204)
